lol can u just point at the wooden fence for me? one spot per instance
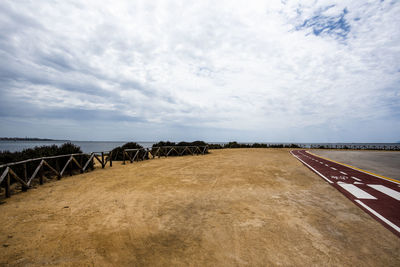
(82, 162)
(25, 172)
(143, 154)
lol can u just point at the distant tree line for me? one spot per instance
(254, 145)
(168, 143)
(356, 146)
(27, 139)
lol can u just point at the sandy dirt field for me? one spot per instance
(255, 207)
(386, 163)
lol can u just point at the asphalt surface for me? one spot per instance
(386, 163)
(378, 196)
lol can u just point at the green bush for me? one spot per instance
(39, 152)
(235, 144)
(275, 146)
(294, 146)
(195, 143)
(179, 149)
(215, 146)
(117, 153)
(162, 143)
(43, 151)
(232, 145)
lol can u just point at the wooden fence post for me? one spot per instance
(81, 163)
(24, 188)
(58, 168)
(25, 173)
(110, 155)
(8, 193)
(102, 160)
(92, 164)
(41, 176)
(70, 168)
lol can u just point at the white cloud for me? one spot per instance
(243, 66)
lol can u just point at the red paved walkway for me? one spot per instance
(377, 196)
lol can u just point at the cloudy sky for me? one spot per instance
(284, 71)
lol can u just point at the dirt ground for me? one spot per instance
(386, 163)
(256, 207)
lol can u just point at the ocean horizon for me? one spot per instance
(98, 146)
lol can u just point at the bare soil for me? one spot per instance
(234, 207)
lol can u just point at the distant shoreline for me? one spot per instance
(28, 139)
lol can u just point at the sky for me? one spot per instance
(250, 71)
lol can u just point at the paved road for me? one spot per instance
(386, 163)
(377, 196)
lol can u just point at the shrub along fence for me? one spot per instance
(27, 172)
(118, 152)
(136, 154)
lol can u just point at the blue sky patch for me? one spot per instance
(336, 26)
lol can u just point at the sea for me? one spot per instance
(86, 146)
(98, 146)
